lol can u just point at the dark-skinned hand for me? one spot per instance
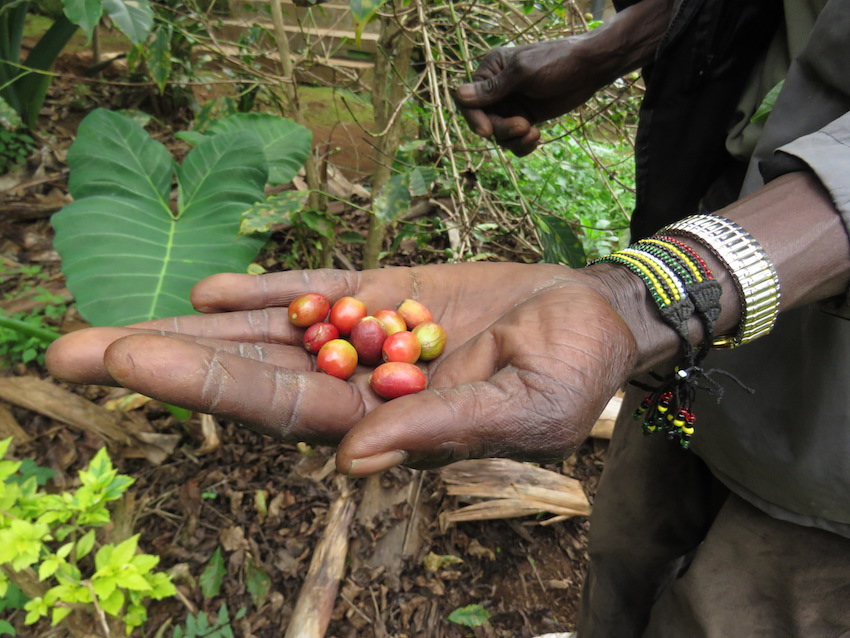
(534, 353)
(516, 88)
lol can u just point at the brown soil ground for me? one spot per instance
(527, 575)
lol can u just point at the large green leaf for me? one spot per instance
(84, 13)
(395, 197)
(559, 241)
(126, 254)
(133, 17)
(363, 11)
(286, 144)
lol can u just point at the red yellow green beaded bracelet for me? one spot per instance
(681, 285)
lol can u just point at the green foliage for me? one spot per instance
(469, 616)
(133, 19)
(559, 242)
(363, 12)
(588, 183)
(24, 86)
(9, 118)
(25, 336)
(13, 599)
(258, 582)
(213, 575)
(281, 208)
(766, 107)
(167, 57)
(15, 147)
(126, 254)
(394, 199)
(55, 535)
(200, 627)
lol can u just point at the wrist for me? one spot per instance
(657, 342)
(629, 40)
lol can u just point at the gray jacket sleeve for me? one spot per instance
(827, 154)
(809, 128)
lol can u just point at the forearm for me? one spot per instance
(629, 40)
(794, 221)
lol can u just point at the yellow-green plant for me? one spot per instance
(46, 546)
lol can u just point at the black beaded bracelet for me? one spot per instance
(682, 286)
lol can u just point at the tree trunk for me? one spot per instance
(395, 49)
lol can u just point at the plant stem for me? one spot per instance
(290, 87)
(22, 327)
(390, 91)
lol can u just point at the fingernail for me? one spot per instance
(120, 365)
(465, 91)
(377, 463)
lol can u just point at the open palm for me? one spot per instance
(533, 354)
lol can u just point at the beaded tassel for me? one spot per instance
(681, 285)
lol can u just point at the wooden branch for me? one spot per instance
(9, 426)
(510, 489)
(312, 612)
(604, 426)
(132, 438)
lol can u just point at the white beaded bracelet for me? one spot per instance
(753, 273)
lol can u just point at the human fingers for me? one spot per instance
(78, 356)
(287, 404)
(516, 134)
(271, 325)
(490, 84)
(232, 291)
(499, 417)
(478, 121)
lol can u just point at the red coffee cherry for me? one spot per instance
(414, 313)
(337, 358)
(402, 346)
(309, 309)
(393, 322)
(345, 313)
(367, 337)
(396, 379)
(318, 335)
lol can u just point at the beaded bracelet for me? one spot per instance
(681, 285)
(701, 287)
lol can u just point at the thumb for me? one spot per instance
(483, 92)
(474, 97)
(474, 420)
(430, 428)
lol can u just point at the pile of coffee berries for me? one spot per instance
(343, 335)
